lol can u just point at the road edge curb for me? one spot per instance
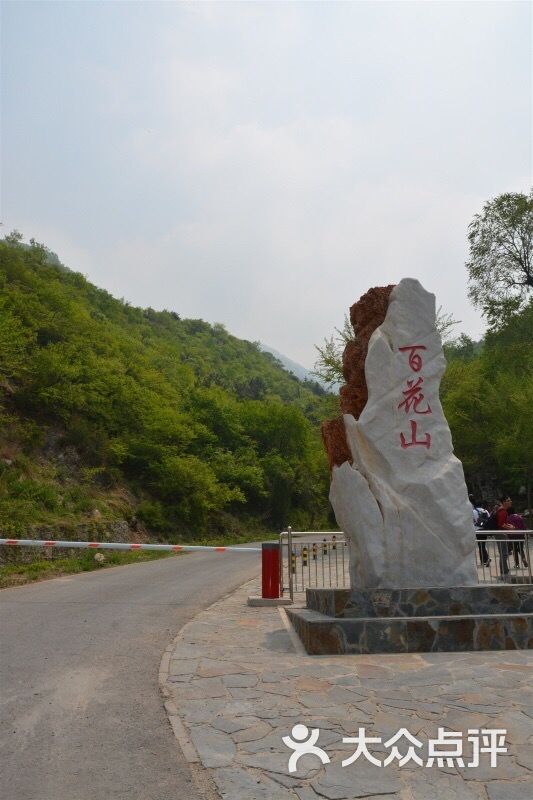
(201, 777)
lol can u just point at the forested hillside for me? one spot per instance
(487, 395)
(123, 411)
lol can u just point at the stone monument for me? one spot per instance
(398, 492)
(399, 495)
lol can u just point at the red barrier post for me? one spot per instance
(270, 570)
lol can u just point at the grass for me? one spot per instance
(18, 574)
(43, 569)
(232, 539)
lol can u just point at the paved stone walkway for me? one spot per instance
(236, 684)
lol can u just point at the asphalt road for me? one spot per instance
(81, 716)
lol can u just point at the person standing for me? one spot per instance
(479, 515)
(502, 526)
(517, 538)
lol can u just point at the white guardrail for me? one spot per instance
(170, 548)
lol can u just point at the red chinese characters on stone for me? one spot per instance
(415, 359)
(413, 398)
(425, 442)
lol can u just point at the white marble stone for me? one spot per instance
(405, 510)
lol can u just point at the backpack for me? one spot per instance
(491, 523)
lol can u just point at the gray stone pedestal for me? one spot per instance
(340, 621)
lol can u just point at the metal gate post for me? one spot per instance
(289, 561)
(281, 579)
(270, 570)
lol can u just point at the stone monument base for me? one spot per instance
(342, 621)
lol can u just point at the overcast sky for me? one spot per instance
(263, 164)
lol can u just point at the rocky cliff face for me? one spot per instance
(397, 490)
(365, 316)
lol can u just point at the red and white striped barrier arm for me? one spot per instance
(170, 548)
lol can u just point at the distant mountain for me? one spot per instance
(291, 366)
(302, 373)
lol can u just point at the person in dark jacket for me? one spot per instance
(517, 538)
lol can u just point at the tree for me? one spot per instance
(328, 366)
(462, 347)
(194, 430)
(500, 266)
(487, 396)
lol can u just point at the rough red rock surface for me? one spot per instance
(334, 437)
(366, 315)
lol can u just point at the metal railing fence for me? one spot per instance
(313, 559)
(504, 557)
(320, 559)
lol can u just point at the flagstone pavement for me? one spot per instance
(236, 681)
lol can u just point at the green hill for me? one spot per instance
(138, 413)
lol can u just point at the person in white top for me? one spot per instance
(479, 515)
